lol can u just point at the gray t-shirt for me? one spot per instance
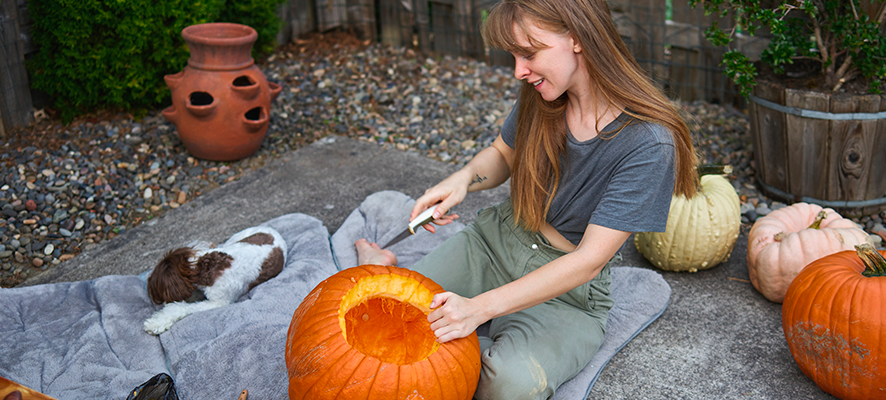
(625, 182)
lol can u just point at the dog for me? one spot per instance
(223, 274)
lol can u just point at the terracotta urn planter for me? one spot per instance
(220, 101)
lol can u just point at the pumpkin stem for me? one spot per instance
(713, 169)
(818, 218)
(874, 263)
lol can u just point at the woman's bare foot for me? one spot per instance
(370, 253)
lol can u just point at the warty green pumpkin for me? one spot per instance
(701, 231)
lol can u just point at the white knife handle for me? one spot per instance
(423, 218)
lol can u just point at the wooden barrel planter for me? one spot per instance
(819, 148)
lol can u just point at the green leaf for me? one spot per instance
(790, 26)
(741, 70)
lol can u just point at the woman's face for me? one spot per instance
(553, 70)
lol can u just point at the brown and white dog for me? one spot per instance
(223, 274)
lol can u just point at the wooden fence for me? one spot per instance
(15, 95)
(674, 52)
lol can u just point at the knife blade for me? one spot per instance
(425, 217)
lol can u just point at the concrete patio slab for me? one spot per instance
(718, 339)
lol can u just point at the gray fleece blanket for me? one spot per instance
(84, 340)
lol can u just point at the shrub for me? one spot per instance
(114, 54)
(261, 15)
(839, 36)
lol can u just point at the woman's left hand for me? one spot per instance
(454, 316)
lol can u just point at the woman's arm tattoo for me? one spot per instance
(478, 179)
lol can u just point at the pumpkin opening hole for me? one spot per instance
(254, 114)
(243, 80)
(390, 330)
(201, 99)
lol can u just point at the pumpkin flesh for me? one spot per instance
(381, 318)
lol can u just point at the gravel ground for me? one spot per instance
(65, 188)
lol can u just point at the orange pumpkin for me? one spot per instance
(8, 389)
(783, 242)
(364, 333)
(833, 322)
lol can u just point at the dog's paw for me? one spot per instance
(156, 326)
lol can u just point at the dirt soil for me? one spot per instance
(807, 75)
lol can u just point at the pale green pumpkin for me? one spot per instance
(701, 231)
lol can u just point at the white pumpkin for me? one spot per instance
(701, 231)
(784, 242)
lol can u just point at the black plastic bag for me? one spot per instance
(160, 387)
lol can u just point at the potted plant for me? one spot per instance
(815, 102)
(221, 100)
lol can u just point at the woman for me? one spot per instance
(594, 152)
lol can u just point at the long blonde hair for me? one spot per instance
(541, 129)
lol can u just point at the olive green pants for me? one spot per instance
(534, 350)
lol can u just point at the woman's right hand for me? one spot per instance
(489, 168)
(444, 195)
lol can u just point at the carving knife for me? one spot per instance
(425, 217)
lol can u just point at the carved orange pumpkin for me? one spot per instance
(783, 242)
(833, 322)
(364, 333)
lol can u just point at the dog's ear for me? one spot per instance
(172, 278)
